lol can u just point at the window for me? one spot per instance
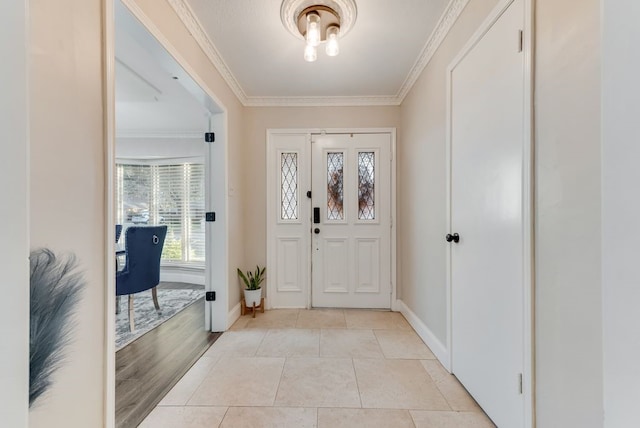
(289, 187)
(366, 185)
(335, 186)
(170, 194)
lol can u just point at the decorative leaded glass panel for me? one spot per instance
(335, 186)
(366, 185)
(289, 171)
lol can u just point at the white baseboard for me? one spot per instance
(437, 347)
(233, 315)
(189, 276)
(285, 307)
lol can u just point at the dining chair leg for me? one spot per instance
(154, 294)
(117, 305)
(131, 321)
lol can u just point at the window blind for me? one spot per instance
(171, 194)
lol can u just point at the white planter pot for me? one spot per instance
(251, 297)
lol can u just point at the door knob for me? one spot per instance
(455, 238)
(316, 230)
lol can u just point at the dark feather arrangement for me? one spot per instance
(56, 285)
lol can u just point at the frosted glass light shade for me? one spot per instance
(333, 48)
(310, 53)
(313, 29)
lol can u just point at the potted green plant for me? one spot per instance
(252, 281)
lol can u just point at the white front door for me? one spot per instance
(351, 241)
(334, 249)
(288, 219)
(487, 274)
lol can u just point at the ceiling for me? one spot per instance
(379, 58)
(155, 97)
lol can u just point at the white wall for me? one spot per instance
(67, 190)
(568, 237)
(258, 120)
(147, 148)
(181, 274)
(14, 215)
(422, 180)
(620, 211)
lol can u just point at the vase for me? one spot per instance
(252, 296)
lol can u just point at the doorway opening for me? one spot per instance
(168, 180)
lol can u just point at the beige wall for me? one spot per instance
(68, 190)
(165, 19)
(568, 201)
(422, 179)
(568, 315)
(67, 177)
(258, 120)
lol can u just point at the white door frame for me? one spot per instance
(271, 202)
(217, 268)
(14, 248)
(216, 162)
(528, 387)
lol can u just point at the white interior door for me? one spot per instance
(487, 279)
(351, 221)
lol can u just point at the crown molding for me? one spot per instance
(188, 18)
(390, 100)
(444, 25)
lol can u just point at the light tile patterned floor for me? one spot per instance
(318, 368)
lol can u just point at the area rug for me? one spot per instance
(146, 317)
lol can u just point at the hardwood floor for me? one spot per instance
(149, 367)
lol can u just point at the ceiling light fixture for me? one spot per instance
(317, 22)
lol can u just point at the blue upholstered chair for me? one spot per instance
(118, 232)
(141, 271)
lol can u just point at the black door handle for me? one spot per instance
(316, 230)
(316, 215)
(455, 238)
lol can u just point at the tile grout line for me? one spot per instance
(275, 397)
(384, 355)
(224, 416)
(437, 386)
(255, 354)
(413, 421)
(355, 374)
(201, 382)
